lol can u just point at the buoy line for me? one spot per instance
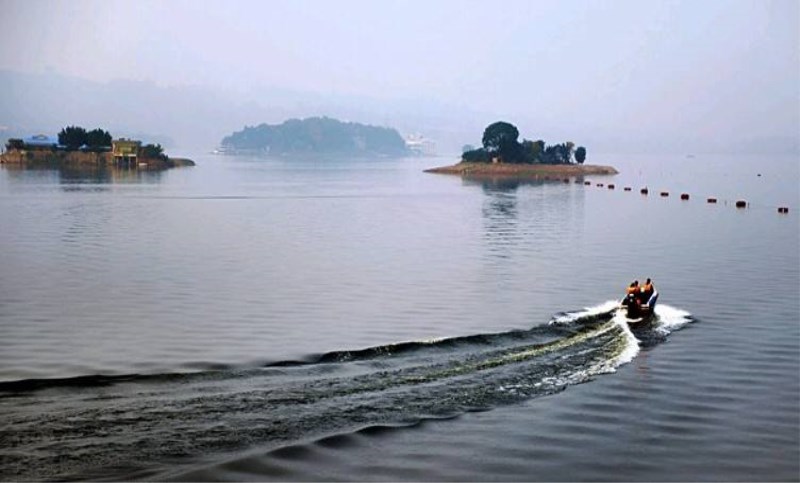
(739, 203)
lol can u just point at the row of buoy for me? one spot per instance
(684, 196)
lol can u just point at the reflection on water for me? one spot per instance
(500, 215)
(522, 215)
(221, 270)
(81, 178)
(502, 185)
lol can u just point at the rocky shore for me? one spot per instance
(497, 170)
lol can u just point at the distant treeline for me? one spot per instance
(317, 135)
(500, 142)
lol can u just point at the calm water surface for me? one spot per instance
(263, 319)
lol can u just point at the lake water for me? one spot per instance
(318, 319)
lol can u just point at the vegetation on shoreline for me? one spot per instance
(77, 138)
(317, 135)
(500, 144)
(522, 170)
(82, 159)
(73, 137)
(77, 146)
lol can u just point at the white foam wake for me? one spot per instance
(671, 319)
(569, 317)
(631, 342)
(627, 351)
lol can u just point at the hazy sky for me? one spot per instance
(695, 69)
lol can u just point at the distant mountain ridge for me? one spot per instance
(317, 135)
(198, 116)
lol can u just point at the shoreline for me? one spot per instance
(80, 159)
(522, 170)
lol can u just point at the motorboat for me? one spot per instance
(639, 305)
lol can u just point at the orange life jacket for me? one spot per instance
(647, 288)
(632, 290)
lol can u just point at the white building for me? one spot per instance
(420, 146)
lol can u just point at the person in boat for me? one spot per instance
(632, 294)
(647, 291)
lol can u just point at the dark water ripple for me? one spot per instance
(116, 424)
(212, 301)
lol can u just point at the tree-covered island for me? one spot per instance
(77, 147)
(503, 155)
(316, 135)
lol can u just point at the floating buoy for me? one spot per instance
(644, 191)
(741, 204)
(684, 196)
(611, 186)
(627, 188)
(783, 209)
(587, 183)
(665, 193)
(599, 185)
(712, 200)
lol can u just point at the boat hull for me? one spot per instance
(636, 311)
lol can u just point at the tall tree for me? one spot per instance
(580, 154)
(72, 137)
(98, 138)
(15, 143)
(501, 138)
(569, 148)
(153, 151)
(532, 151)
(498, 135)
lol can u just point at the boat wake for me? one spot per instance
(139, 423)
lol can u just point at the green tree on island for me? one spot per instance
(500, 141)
(317, 135)
(580, 155)
(72, 137)
(15, 143)
(75, 137)
(153, 151)
(499, 137)
(533, 149)
(98, 139)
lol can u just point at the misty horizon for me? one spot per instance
(621, 76)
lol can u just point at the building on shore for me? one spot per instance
(40, 142)
(41, 150)
(420, 145)
(125, 151)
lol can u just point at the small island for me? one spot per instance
(502, 155)
(76, 147)
(316, 135)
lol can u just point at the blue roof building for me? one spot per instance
(40, 140)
